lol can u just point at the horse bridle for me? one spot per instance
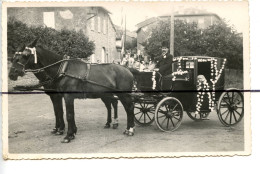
(32, 52)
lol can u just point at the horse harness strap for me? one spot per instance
(84, 79)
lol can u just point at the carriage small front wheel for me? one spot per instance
(230, 107)
(168, 114)
(144, 113)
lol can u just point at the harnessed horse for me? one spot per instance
(72, 79)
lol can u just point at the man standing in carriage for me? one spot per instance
(164, 62)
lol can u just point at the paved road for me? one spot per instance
(31, 119)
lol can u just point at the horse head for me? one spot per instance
(24, 58)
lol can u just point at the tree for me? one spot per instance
(218, 40)
(72, 43)
(131, 44)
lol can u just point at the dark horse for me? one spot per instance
(80, 80)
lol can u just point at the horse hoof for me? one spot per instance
(130, 133)
(59, 132)
(65, 140)
(107, 126)
(54, 131)
(115, 126)
(126, 132)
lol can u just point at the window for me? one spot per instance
(190, 65)
(99, 25)
(92, 23)
(48, 19)
(104, 26)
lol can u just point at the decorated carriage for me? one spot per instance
(196, 86)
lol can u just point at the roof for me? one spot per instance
(103, 9)
(154, 19)
(119, 32)
(146, 22)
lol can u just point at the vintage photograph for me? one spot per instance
(125, 79)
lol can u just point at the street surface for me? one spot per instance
(31, 119)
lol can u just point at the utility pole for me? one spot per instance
(125, 34)
(172, 33)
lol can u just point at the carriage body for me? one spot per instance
(197, 83)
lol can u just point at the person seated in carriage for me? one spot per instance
(164, 61)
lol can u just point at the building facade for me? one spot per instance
(144, 28)
(95, 22)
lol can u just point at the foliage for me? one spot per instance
(131, 44)
(218, 40)
(72, 43)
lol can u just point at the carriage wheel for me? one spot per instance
(198, 117)
(168, 114)
(144, 114)
(230, 107)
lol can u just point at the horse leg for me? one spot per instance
(114, 104)
(58, 111)
(107, 103)
(126, 100)
(72, 129)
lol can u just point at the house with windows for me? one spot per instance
(145, 27)
(95, 22)
(125, 37)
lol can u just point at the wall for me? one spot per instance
(75, 18)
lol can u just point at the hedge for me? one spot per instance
(72, 43)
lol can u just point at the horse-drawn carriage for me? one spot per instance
(196, 86)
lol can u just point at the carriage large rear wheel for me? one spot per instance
(230, 107)
(168, 114)
(144, 114)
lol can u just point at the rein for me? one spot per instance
(42, 69)
(59, 73)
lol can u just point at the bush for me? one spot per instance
(72, 43)
(218, 40)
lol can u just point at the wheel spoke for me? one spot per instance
(141, 117)
(225, 101)
(163, 121)
(234, 116)
(226, 116)
(228, 97)
(151, 112)
(176, 118)
(138, 107)
(161, 116)
(168, 123)
(224, 112)
(138, 113)
(238, 113)
(230, 119)
(167, 109)
(148, 116)
(232, 96)
(175, 106)
(172, 122)
(161, 111)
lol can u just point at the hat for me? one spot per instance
(165, 43)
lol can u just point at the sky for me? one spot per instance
(234, 12)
